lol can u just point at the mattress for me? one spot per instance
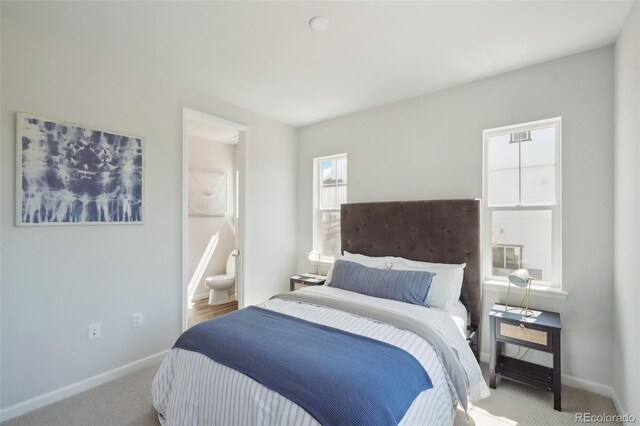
(191, 389)
(458, 314)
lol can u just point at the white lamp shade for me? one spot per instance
(519, 277)
(314, 256)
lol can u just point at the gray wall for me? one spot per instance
(57, 280)
(626, 370)
(430, 147)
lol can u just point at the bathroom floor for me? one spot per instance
(202, 311)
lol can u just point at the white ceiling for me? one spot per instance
(262, 55)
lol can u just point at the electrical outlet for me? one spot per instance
(94, 331)
(136, 320)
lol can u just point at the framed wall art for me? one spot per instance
(207, 193)
(71, 174)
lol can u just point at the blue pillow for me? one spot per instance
(405, 286)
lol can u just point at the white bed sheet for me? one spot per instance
(191, 389)
(458, 314)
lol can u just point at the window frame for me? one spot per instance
(556, 209)
(317, 210)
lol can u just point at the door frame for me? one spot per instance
(243, 145)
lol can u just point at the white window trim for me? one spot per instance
(548, 287)
(536, 290)
(316, 203)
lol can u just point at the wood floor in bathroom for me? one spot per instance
(203, 311)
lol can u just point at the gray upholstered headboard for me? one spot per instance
(437, 231)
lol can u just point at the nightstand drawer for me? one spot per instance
(522, 332)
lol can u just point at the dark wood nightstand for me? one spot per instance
(472, 340)
(305, 280)
(540, 332)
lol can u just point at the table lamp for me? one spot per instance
(314, 256)
(520, 278)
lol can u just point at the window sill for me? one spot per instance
(536, 290)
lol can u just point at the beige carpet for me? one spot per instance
(515, 404)
(127, 401)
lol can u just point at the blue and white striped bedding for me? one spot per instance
(191, 389)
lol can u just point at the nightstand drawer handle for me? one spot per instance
(520, 332)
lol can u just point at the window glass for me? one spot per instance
(539, 168)
(503, 173)
(329, 233)
(522, 168)
(522, 239)
(328, 171)
(331, 184)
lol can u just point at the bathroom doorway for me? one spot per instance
(213, 194)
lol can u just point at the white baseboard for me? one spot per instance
(587, 385)
(583, 384)
(200, 296)
(618, 403)
(77, 387)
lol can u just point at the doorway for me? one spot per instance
(213, 200)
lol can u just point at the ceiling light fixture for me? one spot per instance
(319, 23)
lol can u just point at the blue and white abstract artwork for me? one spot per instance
(70, 174)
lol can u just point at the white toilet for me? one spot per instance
(220, 285)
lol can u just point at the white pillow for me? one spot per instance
(445, 286)
(371, 262)
(359, 258)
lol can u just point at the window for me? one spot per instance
(521, 195)
(330, 191)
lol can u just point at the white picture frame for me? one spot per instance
(207, 193)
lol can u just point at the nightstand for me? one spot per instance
(472, 340)
(540, 332)
(304, 280)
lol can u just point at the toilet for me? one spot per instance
(220, 285)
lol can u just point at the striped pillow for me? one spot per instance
(405, 286)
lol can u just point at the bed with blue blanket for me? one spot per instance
(366, 349)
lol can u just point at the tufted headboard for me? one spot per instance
(437, 231)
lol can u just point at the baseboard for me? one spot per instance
(587, 385)
(200, 296)
(576, 382)
(77, 387)
(618, 404)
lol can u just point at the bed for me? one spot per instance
(191, 388)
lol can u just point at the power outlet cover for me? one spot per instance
(94, 331)
(136, 320)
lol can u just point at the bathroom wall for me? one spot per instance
(213, 156)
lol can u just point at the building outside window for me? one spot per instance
(330, 191)
(522, 203)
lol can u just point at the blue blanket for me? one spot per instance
(338, 377)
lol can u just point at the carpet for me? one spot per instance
(127, 401)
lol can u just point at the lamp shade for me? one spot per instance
(519, 277)
(314, 256)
